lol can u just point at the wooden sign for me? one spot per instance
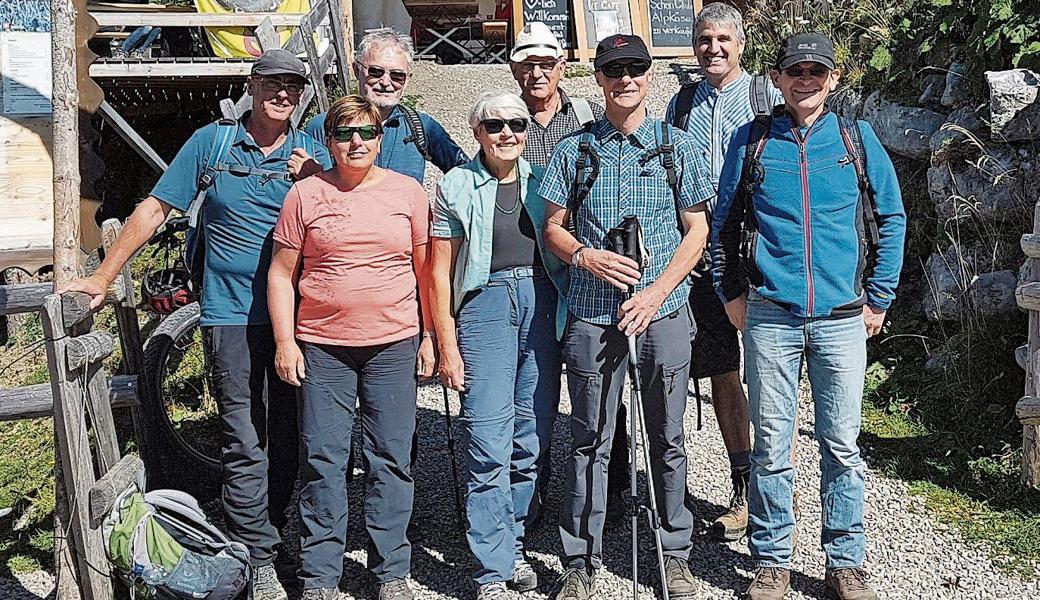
(595, 20)
(556, 14)
(669, 26)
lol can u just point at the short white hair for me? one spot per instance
(720, 13)
(497, 104)
(385, 37)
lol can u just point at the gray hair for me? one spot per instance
(500, 104)
(720, 13)
(385, 37)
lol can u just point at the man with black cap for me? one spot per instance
(238, 212)
(818, 200)
(639, 159)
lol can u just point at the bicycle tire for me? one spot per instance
(174, 462)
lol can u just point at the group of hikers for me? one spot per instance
(331, 281)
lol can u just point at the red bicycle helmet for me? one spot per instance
(165, 290)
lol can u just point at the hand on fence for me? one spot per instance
(874, 319)
(94, 286)
(736, 310)
(288, 363)
(301, 165)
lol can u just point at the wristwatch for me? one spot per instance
(577, 255)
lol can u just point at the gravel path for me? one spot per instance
(909, 555)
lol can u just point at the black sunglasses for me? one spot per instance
(396, 76)
(346, 133)
(496, 125)
(270, 84)
(616, 70)
(816, 71)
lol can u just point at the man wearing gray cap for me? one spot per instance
(234, 175)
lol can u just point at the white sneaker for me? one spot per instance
(266, 585)
(494, 591)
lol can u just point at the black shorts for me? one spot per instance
(716, 349)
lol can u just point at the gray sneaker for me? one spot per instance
(680, 581)
(524, 578)
(494, 591)
(322, 594)
(395, 589)
(266, 585)
(576, 583)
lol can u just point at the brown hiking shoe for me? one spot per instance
(849, 584)
(770, 583)
(732, 525)
(679, 580)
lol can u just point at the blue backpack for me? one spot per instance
(216, 163)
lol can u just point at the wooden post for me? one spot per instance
(65, 151)
(76, 474)
(1031, 433)
(342, 24)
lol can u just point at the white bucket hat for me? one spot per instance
(535, 40)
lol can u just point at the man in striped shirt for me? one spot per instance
(726, 99)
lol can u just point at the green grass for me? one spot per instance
(27, 485)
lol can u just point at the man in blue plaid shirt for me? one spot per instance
(632, 180)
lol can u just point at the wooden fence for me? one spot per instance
(1028, 408)
(80, 397)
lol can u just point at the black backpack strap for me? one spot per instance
(759, 96)
(751, 171)
(588, 160)
(853, 140)
(418, 137)
(684, 104)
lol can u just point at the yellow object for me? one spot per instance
(239, 42)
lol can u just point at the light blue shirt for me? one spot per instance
(465, 208)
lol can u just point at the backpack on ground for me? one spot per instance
(752, 173)
(162, 546)
(758, 92)
(216, 163)
(418, 137)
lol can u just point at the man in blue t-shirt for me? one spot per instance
(382, 71)
(238, 214)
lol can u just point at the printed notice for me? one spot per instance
(25, 65)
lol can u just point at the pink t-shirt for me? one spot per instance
(357, 284)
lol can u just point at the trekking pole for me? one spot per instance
(459, 519)
(633, 467)
(697, 396)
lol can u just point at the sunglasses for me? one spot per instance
(293, 88)
(545, 66)
(816, 71)
(396, 76)
(496, 125)
(616, 70)
(346, 133)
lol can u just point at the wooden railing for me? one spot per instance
(1028, 408)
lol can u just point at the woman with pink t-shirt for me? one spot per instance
(351, 244)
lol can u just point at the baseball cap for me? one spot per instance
(535, 39)
(620, 46)
(805, 47)
(279, 62)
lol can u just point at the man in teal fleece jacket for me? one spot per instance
(804, 289)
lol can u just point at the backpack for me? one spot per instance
(759, 93)
(195, 239)
(752, 174)
(161, 545)
(582, 112)
(418, 137)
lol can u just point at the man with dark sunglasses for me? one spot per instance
(807, 246)
(238, 213)
(633, 180)
(383, 69)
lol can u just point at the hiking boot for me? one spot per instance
(678, 578)
(266, 585)
(322, 594)
(524, 578)
(770, 583)
(494, 591)
(849, 584)
(733, 524)
(576, 583)
(395, 589)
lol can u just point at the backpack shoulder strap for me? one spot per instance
(222, 140)
(586, 171)
(759, 95)
(582, 111)
(418, 137)
(853, 140)
(666, 150)
(751, 171)
(684, 104)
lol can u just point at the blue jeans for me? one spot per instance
(507, 338)
(141, 38)
(383, 376)
(835, 352)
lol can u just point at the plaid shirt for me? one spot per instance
(542, 140)
(629, 183)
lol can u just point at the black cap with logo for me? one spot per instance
(279, 62)
(619, 46)
(805, 47)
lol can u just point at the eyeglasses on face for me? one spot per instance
(496, 125)
(816, 71)
(275, 85)
(617, 69)
(528, 66)
(345, 133)
(374, 72)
